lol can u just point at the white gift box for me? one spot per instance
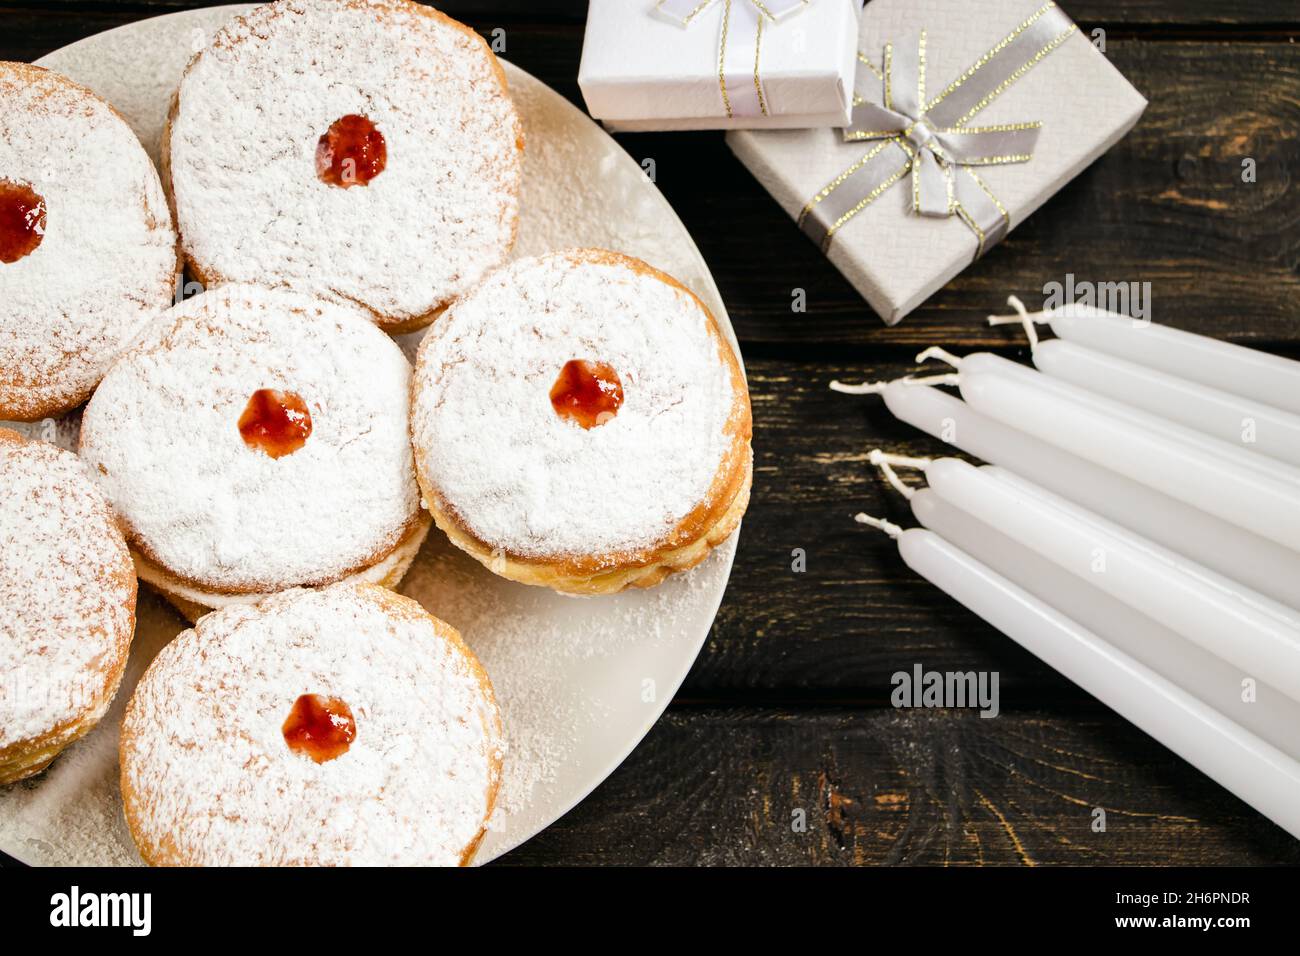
(778, 64)
(877, 204)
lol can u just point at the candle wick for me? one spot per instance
(882, 524)
(1021, 318)
(863, 388)
(875, 388)
(943, 355)
(886, 462)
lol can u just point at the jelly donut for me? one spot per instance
(254, 441)
(87, 249)
(67, 604)
(579, 422)
(364, 151)
(341, 726)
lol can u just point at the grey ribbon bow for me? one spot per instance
(931, 137)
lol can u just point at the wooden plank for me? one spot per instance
(29, 34)
(34, 29)
(1256, 14)
(905, 787)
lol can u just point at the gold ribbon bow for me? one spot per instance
(932, 137)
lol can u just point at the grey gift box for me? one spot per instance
(895, 257)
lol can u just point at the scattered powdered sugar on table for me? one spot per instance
(532, 641)
(611, 205)
(250, 207)
(161, 436)
(528, 481)
(107, 259)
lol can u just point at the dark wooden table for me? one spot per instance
(787, 708)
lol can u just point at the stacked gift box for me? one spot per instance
(906, 139)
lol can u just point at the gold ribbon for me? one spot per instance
(741, 31)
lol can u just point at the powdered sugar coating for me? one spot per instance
(161, 436)
(209, 780)
(107, 261)
(67, 592)
(525, 480)
(252, 107)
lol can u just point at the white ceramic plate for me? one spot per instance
(580, 682)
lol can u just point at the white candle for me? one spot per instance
(1249, 373)
(1252, 491)
(1271, 714)
(1223, 415)
(1152, 425)
(1258, 563)
(1254, 770)
(1257, 635)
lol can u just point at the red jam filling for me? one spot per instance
(588, 393)
(22, 221)
(275, 422)
(351, 153)
(320, 727)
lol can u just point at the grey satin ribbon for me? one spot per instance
(930, 139)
